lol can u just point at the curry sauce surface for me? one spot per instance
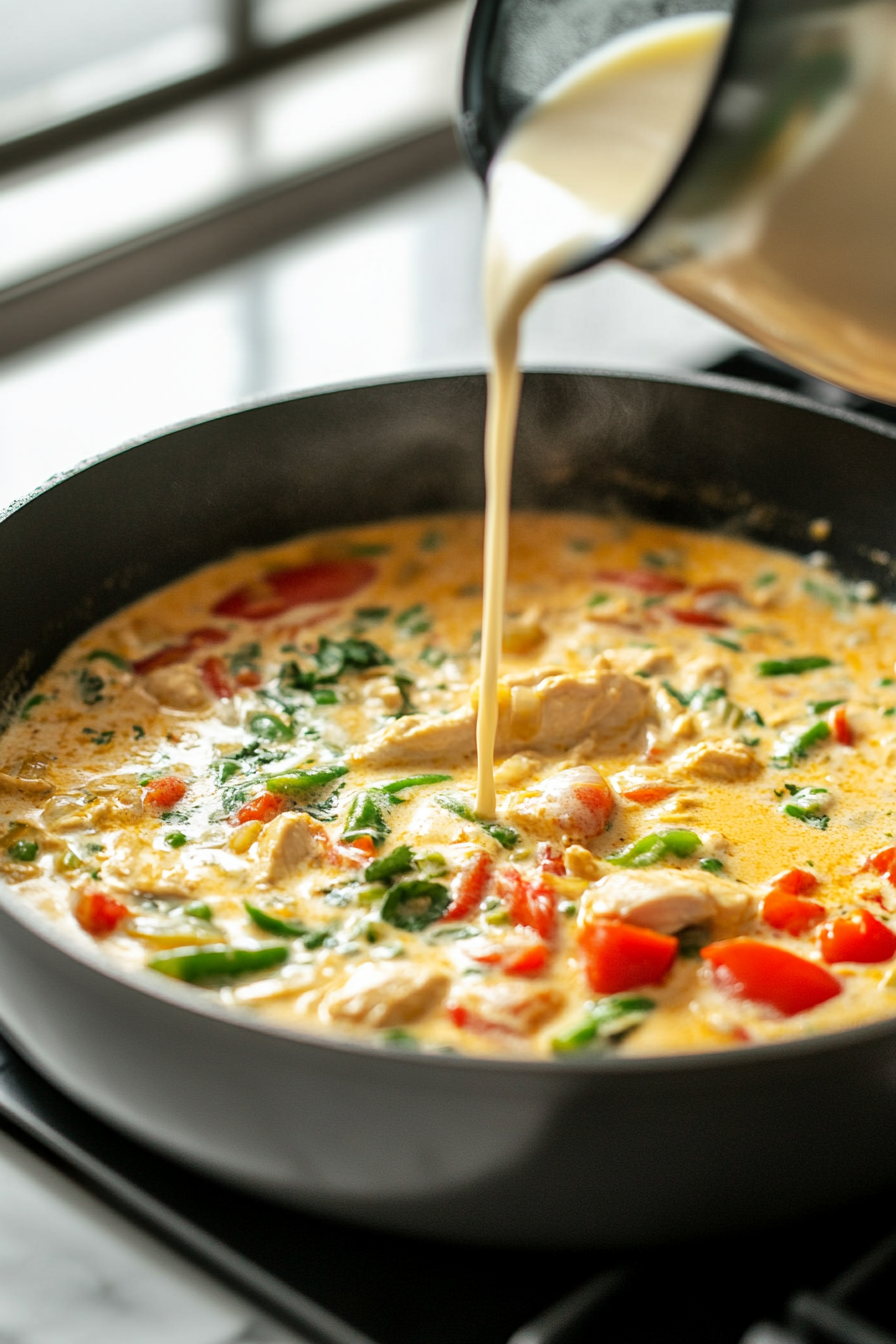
(262, 780)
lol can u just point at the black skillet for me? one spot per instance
(580, 1151)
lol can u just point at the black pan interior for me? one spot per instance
(707, 452)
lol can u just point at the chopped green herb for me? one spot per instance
(434, 657)
(656, 846)
(415, 903)
(372, 614)
(245, 658)
(785, 667)
(138, 730)
(23, 851)
(199, 910)
(175, 839)
(224, 770)
(711, 865)
(270, 727)
(396, 1038)
(726, 643)
(604, 1019)
(808, 805)
(404, 684)
(324, 695)
(401, 860)
(90, 687)
(764, 580)
(432, 540)
(598, 599)
(683, 699)
(294, 783)
(333, 657)
(114, 658)
(32, 703)
(822, 706)
(888, 713)
(505, 835)
(790, 749)
(198, 964)
(414, 621)
(755, 717)
(369, 548)
(886, 681)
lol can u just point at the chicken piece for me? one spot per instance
(515, 769)
(285, 843)
(178, 687)
(386, 995)
(574, 804)
(516, 1006)
(666, 899)
(707, 670)
(523, 633)
(133, 866)
(636, 662)
(32, 788)
(725, 761)
(580, 862)
(542, 710)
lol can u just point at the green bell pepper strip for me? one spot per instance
(412, 782)
(505, 835)
(415, 903)
(293, 783)
(605, 1018)
(656, 846)
(785, 667)
(808, 805)
(23, 851)
(285, 928)
(108, 656)
(196, 964)
(366, 816)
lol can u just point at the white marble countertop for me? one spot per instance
(393, 289)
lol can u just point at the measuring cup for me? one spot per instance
(780, 217)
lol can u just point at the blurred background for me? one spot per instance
(203, 201)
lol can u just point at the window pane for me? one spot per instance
(62, 58)
(280, 20)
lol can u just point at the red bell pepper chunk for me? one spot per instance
(99, 914)
(883, 862)
(857, 937)
(770, 975)
(621, 956)
(165, 792)
(688, 616)
(179, 653)
(321, 581)
(723, 586)
(645, 794)
(792, 914)
(550, 859)
(532, 905)
(247, 677)
(795, 882)
(262, 808)
(840, 727)
(214, 674)
(644, 580)
(527, 960)
(468, 887)
(364, 843)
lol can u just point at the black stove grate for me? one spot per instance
(815, 1281)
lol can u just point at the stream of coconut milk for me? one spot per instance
(579, 169)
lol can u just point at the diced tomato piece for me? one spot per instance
(262, 808)
(644, 580)
(214, 674)
(527, 960)
(99, 914)
(468, 887)
(883, 862)
(840, 727)
(165, 792)
(689, 616)
(792, 914)
(178, 653)
(622, 956)
(723, 586)
(550, 859)
(645, 794)
(247, 677)
(596, 797)
(532, 905)
(461, 1016)
(322, 581)
(771, 975)
(365, 843)
(795, 882)
(857, 937)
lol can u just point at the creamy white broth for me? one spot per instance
(196, 685)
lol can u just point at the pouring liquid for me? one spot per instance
(578, 171)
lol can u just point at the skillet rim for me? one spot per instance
(180, 996)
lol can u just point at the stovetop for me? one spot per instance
(828, 1278)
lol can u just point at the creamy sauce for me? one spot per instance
(576, 174)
